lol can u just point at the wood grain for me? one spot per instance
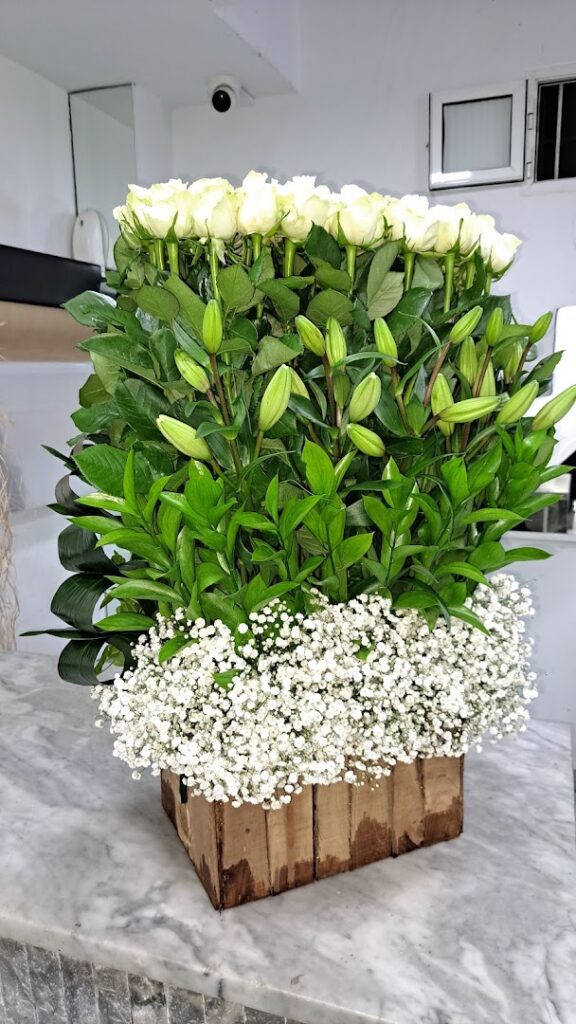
(370, 823)
(443, 798)
(291, 843)
(407, 807)
(243, 851)
(331, 829)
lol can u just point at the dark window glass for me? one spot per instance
(567, 162)
(547, 119)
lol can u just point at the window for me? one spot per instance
(477, 136)
(556, 130)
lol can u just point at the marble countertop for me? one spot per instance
(481, 930)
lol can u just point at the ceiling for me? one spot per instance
(172, 47)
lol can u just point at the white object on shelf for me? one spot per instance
(90, 238)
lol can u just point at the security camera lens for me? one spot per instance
(221, 100)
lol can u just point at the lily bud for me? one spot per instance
(275, 398)
(513, 362)
(297, 385)
(385, 342)
(515, 408)
(194, 374)
(212, 327)
(465, 325)
(468, 410)
(365, 398)
(488, 387)
(441, 399)
(365, 440)
(540, 327)
(335, 342)
(468, 360)
(184, 438)
(310, 336)
(555, 410)
(494, 327)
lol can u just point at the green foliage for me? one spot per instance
(411, 503)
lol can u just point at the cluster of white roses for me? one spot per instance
(211, 208)
(342, 693)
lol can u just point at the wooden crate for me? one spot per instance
(245, 853)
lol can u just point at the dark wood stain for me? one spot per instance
(168, 800)
(443, 825)
(238, 885)
(372, 841)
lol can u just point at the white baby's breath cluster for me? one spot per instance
(341, 693)
(211, 208)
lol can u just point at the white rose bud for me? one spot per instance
(214, 208)
(257, 210)
(161, 208)
(498, 250)
(408, 219)
(300, 205)
(359, 217)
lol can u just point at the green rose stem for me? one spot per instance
(158, 248)
(449, 260)
(224, 409)
(409, 260)
(351, 264)
(214, 263)
(173, 260)
(256, 246)
(488, 283)
(470, 272)
(289, 254)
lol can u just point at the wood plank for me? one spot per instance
(370, 823)
(443, 798)
(331, 829)
(168, 796)
(243, 853)
(291, 843)
(408, 807)
(195, 823)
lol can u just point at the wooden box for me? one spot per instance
(245, 853)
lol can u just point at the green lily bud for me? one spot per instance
(275, 398)
(385, 343)
(494, 327)
(515, 408)
(513, 362)
(365, 398)
(441, 399)
(468, 360)
(335, 342)
(310, 336)
(184, 438)
(465, 325)
(488, 387)
(468, 410)
(297, 385)
(540, 327)
(212, 327)
(365, 440)
(194, 374)
(555, 410)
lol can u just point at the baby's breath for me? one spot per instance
(341, 693)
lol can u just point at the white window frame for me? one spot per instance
(440, 179)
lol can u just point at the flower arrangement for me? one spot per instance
(307, 431)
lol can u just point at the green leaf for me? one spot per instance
(91, 309)
(328, 277)
(330, 303)
(285, 302)
(96, 524)
(145, 590)
(490, 515)
(322, 247)
(118, 349)
(78, 552)
(387, 412)
(77, 597)
(77, 661)
(461, 612)
(125, 622)
(93, 419)
(525, 555)
(191, 307)
(105, 501)
(235, 288)
(157, 302)
(140, 404)
(295, 513)
(352, 550)
(488, 556)
(319, 469)
(174, 646)
(273, 352)
(388, 295)
(427, 274)
(271, 498)
(103, 466)
(454, 473)
(411, 307)
(470, 572)
(139, 543)
(379, 267)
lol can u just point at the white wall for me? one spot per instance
(362, 114)
(36, 183)
(152, 127)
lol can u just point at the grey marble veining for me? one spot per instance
(481, 930)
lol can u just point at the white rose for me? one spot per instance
(359, 216)
(214, 208)
(498, 250)
(159, 208)
(408, 220)
(301, 204)
(257, 204)
(449, 223)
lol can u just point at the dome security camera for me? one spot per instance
(224, 93)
